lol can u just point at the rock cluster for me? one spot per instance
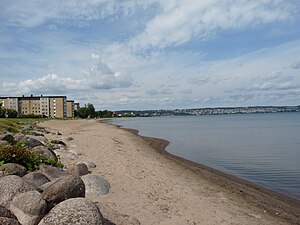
(52, 195)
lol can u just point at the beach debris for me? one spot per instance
(62, 189)
(74, 211)
(11, 186)
(29, 207)
(79, 169)
(13, 169)
(95, 184)
(36, 178)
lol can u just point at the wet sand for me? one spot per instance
(159, 188)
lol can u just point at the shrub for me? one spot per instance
(22, 156)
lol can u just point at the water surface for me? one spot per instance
(261, 148)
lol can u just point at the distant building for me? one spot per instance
(70, 108)
(49, 106)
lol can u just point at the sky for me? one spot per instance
(152, 54)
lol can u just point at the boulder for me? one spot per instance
(79, 169)
(58, 142)
(4, 142)
(13, 169)
(62, 189)
(39, 138)
(8, 221)
(46, 185)
(64, 154)
(19, 136)
(95, 184)
(75, 211)
(7, 137)
(90, 164)
(52, 172)
(4, 212)
(44, 152)
(31, 141)
(29, 207)
(12, 185)
(112, 217)
(66, 139)
(36, 178)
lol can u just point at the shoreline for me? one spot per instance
(273, 202)
(159, 189)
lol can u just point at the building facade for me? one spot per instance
(70, 109)
(49, 106)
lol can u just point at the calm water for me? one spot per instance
(262, 148)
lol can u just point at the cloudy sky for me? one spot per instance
(152, 54)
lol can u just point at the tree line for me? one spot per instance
(88, 111)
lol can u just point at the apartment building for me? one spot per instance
(70, 108)
(50, 106)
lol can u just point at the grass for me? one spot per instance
(15, 124)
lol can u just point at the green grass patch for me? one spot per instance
(15, 124)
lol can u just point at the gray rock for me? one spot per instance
(52, 172)
(8, 221)
(95, 184)
(29, 207)
(44, 152)
(62, 189)
(12, 185)
(31, 141)
(4, 142)
(13, 169)
(58, 142)
(19, 136)
(79, 169)
(90, 164)
(46, 185)
(64, 154)
(7, 137)
(36, 178)
(42, 139)
(65, 139)
(112, 217)
(75, 211)
(4, 212)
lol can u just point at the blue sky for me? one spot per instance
(153, 54)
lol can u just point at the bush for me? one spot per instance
(9, 113)
(22, 156)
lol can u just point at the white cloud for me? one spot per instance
(100, 76)
(182, 21)
(76, 12)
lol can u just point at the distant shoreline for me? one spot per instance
(276, 203)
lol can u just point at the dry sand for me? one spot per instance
(158, 188)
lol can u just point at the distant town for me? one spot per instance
(208, 111)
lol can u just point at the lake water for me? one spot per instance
(262, 148)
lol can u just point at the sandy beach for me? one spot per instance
(157, 188)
